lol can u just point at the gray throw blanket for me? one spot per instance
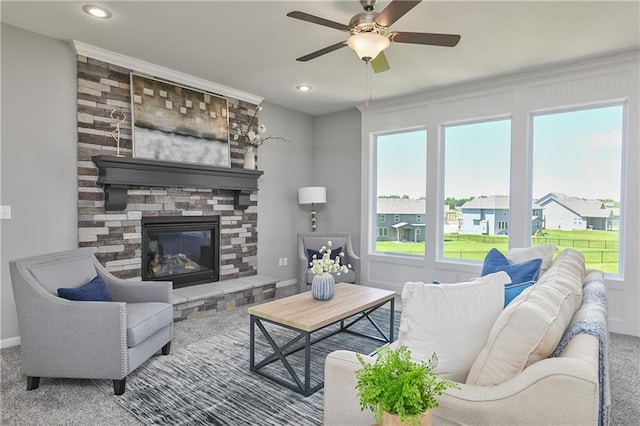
(591, 318)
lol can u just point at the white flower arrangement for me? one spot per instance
(325, 264)
(250, 134)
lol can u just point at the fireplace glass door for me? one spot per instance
(182, 250)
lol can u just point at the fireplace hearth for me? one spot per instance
(181, 249)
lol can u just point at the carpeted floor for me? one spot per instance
(81, 402)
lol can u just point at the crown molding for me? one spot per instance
(138, 65)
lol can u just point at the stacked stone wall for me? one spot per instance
(116, 235)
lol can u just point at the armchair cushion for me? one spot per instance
(144, 319)
(334, 253)
(94, 291)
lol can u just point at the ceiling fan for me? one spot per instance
(369, 37)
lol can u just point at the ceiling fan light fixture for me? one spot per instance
(368, 45)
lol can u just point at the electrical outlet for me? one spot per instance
(280, 262)
(5, 212)
(286, 261)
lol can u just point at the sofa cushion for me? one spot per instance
(527, 331)
(519, 272)
(567, 270)
(544, 252)
(93, 291)
(511, 291)
(144, 319)
(452, 320)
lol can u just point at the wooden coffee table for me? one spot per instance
(305, 315)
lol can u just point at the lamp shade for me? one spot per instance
(368, 45)
(312, 195)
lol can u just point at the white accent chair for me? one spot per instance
(88, 340)
(315, 241)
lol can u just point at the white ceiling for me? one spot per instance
(252, 45)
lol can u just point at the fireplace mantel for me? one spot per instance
(117, 174)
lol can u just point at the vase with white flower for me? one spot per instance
(323, 285)
(250, 135)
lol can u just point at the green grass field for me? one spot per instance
(599, 247)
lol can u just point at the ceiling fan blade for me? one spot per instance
(446, 40)
(321, 52)
(394, 11)
(317, 20)
(380, 64)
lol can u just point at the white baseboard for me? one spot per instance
(292, 281)
(7, 343)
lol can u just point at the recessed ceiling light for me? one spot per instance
(303, 87)
(97, 11)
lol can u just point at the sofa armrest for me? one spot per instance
(341, 402)
(552, 391)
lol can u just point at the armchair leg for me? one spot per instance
(32, 382)
(166, 349)
(119, 385)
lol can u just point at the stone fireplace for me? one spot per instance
(184, 250)
(118, 195)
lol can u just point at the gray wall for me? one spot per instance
(38, 153)
(286, 166)
(336, 162)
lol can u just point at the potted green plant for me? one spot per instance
(399, 386)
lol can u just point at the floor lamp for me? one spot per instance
(312, 195)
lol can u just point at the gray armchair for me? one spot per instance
(90, 340)
(315, 241)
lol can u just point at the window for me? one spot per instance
(503, 225)
(383, 218)
(476, 180)
(383, 232)
(400, 185)
(418, 231)
(577, 168)
(418, 218)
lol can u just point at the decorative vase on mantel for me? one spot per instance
(323, 286)
(250, 158)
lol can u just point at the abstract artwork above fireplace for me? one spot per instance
(176, 123)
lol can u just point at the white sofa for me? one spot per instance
(569, 387)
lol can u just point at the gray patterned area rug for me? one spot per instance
(209, 382)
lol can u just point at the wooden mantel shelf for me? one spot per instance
(117, 174)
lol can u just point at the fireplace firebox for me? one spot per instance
(181, 249)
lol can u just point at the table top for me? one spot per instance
(305, 313)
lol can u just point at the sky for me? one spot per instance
(577, 153)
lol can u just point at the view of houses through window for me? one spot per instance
(401, 164)
(577, 173)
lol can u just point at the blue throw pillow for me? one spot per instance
(511, 291)
(334, 253)
(94, 291)
(495, 261)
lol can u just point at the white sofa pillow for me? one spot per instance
(545, 252)
(452, 320)
(528, 330)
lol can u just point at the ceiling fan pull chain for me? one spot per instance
(367, 89)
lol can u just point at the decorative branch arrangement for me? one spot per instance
(250, 134)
